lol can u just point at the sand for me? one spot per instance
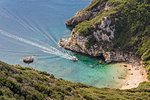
(136, 75)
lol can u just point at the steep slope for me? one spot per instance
(20, 83)
(118, 30)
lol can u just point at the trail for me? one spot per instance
(50, 50)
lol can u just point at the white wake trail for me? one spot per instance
(47, 33)
(24, 24)
(27, 24)
(41, 31)
(50, 50)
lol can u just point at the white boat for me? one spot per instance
(74, 58)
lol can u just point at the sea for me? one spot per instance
(33, 28)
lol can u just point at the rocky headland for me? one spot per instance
(114, 30)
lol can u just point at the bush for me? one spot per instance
(19, 79)
(12, 86)
(1, 93)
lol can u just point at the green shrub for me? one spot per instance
(94, 4)
(90, 42)
(12, 86)
(131, 18)
(58, 89)
(19, 79)
(1, 93)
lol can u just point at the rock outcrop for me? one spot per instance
(28, 60)
(111, 29)
(86, 14)
(105, 31)
(77, 42)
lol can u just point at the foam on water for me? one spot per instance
(33, 28)
(26, 24)
(50, 50)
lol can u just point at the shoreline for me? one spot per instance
(135, 75)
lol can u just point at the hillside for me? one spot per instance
(115, 30)
(19, 83)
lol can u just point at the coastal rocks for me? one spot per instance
(120, 56)
(86, 14)
(97, 41)
(91, 66)
(77, 43)
(28, 60)
(105, 30)
(104, 34)
(78, 19)
(115, 56)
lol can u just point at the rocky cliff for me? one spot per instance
(113, 29)
(88, 13)
(84, 44)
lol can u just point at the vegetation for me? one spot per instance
(91, 41)
(87, 27)
(37, 85)
(94, 4)
(132, 23)
(132, 20)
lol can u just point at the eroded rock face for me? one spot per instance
(90, 14)
(117, 56)
(105, 32)
(110, 36)
(77, 43)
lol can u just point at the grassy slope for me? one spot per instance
(132, 20)
(20, 83)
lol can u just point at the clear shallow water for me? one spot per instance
(43, 22)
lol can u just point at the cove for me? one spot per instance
(43, 22)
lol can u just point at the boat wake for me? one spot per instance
(49, 50)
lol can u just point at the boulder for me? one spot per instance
(28, 60)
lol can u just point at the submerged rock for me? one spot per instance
(91, 66)
(28, 60)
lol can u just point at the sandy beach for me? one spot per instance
(136, 75)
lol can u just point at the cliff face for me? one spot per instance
(88, 13)
(90, 44)
(115, 29)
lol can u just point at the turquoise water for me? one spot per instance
(43, 22)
